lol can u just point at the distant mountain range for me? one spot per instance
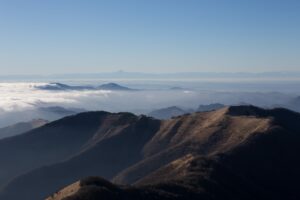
(60, 111)
(236, 152)
(210, 107)
(167, 113)
(112, 86)
(174, 111)
(294, 104)
(21, 127)
(60, 86)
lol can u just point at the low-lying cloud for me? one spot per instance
(22, 101)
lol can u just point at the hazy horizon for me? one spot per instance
(185, 75)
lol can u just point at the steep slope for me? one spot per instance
(202, 133)
(48, 144)
(240, 152)
(107, 144)
(21, 127)
(54, 142)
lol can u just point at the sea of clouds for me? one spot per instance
(22, 101)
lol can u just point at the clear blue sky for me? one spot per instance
(74, 36)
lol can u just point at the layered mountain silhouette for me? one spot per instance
(294, 104)
(113, 86)
(237, 152)
(210, 107)
(21, 127)
(60, 111)
(167, 113)
(175, 111)
(61, 86)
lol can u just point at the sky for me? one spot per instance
(160, 36)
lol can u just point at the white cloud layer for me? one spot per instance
(21, 101)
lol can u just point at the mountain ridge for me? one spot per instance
(191, 153)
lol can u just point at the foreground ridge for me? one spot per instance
(236, 152)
